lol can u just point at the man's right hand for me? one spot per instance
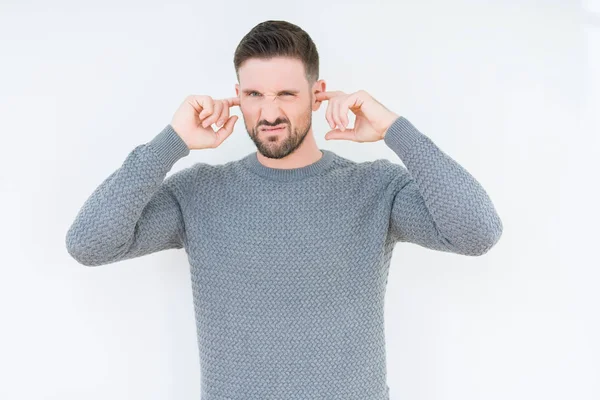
(194, 118)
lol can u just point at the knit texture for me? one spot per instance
(288, 266)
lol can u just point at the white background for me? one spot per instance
(509, 89)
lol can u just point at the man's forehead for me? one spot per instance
(271, 76)
(270, 88)
(274, 82)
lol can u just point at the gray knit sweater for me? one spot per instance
(288, 266)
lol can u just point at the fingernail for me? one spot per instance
(220, 122)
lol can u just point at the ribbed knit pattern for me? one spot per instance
(289, 266)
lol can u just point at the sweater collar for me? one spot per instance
(252, 163)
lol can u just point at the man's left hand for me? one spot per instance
(372, 118)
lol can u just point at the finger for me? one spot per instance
(328, 114)
(344, 109)
(206, 104)
(322, 96)
(233, 101)
(226, 130)
(224, 114)
(336, 115)
(328, 95)
(211, 119)
(354, 100)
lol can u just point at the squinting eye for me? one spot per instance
(284, 93)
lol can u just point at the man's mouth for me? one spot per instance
(274, 128)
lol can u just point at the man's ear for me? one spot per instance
(318, 87)
(237, 90)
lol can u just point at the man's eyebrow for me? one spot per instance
(248, 91)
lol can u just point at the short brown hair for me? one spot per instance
(271, 39)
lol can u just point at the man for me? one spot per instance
(289, 247)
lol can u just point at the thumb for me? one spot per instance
(227, 128)
(337, 134)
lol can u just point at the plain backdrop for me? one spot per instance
(509, 89)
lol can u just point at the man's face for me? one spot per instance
(275, 93)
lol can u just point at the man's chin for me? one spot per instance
(274, 150)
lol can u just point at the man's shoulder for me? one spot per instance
(187, 177)
(377, 167)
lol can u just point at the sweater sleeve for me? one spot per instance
(436, 203)
(135, 210)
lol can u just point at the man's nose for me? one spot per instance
(270, 98)
(270, 109)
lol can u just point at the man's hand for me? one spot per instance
(195, 116)
(372, 118)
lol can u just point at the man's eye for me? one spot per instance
(283, 93)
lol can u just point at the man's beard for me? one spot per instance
(279, 144)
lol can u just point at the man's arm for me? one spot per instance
(437, 204)
(135, 210)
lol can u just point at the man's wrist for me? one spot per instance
(391, 119)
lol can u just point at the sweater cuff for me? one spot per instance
(168, 146)
(402, 135)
